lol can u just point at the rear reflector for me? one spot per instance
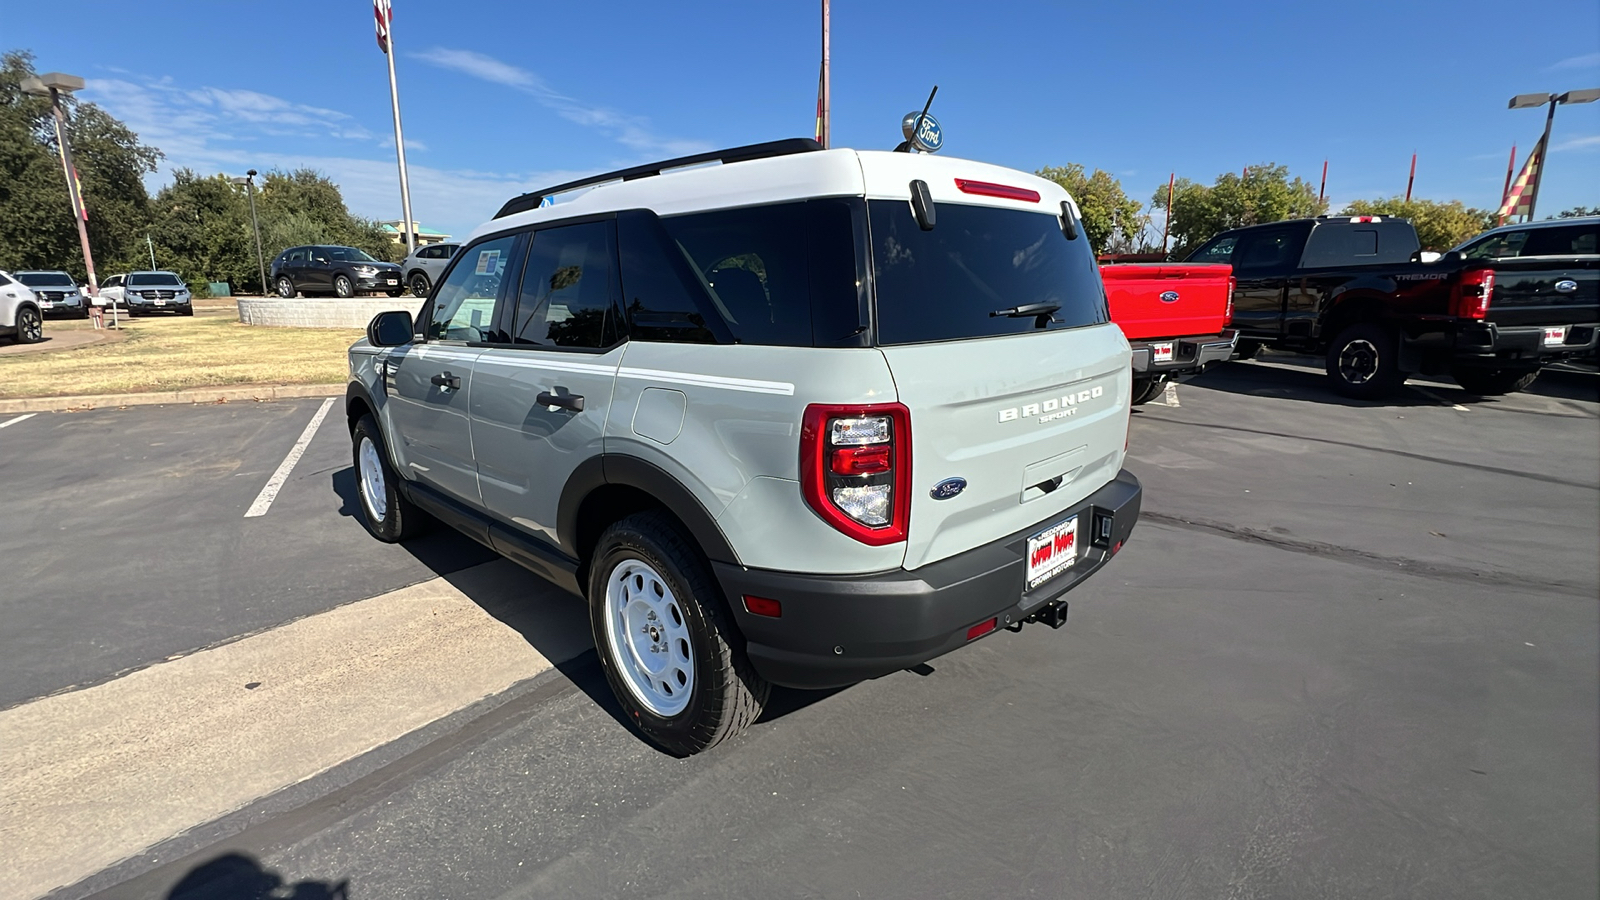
(980, 629)
(990, 189)
(862, 460)
(761, 606)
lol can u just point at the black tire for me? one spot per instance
(1246, 349)
(396, 292)
(725, 695)
(1493, 382)
(286, 288)
(1147, 389)
(395, 519)
(186, 311)
(419, 284)
(30, 325)
(343, 287)
(1364, 361)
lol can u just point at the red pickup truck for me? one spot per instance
(1176, 316)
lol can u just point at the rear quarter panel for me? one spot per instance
(1167, 300)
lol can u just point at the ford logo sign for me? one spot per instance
(1169, 296)
(922, 131)
(1566, 285)
(948, 488)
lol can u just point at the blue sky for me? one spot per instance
(502, 97)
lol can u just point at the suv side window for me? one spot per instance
(1561, 240)
(567, 296)
(464, 304)
(1264, 250)
(1500, 246)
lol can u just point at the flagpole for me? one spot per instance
(1511, 169)
(827, 88)
(1412, 178)
(399, 136)
(1542, 147)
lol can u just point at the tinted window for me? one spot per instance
(1268, 249)
(346, 254)
(155, 278)
(1498, 246)
(1218, 251)
(566, 299)
(463, 305)
(299, 254)
(943, 284)
(446, 250)
(4, 280)
(660, 294)
(1561, 241)
(45, 279)
(781, 275)
(1336, 245)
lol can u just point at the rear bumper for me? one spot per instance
(1190, 355)
(1490, 344)
(838, 630)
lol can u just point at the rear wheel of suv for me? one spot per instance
(1363, 361)
(419, 284)
(343, 286)
(1493, 382)
(389, 515)
(666, 640)
(285, 287)
(30, 326)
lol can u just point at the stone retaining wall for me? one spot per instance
(321, 312)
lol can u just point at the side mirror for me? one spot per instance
(390, 329)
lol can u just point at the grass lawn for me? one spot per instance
(169, 353)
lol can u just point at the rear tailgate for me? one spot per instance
(1545, 291)
(1164, 300)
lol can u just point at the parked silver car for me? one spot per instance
(424, 266)
(57, 293)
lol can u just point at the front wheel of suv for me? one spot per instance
(285, 287)
(666, 640)
(419, 284)
(389, 515)
(343, 286)
(30, 325)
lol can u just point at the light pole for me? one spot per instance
(53, 85)
(261, 261)
(1542, 151)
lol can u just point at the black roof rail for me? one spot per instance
(735, 154)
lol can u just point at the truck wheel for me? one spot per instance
(389, 515)
(1246, 349)
(666, 642)
(1493, 382)
(1364, 361)
(30, 325)
(1147, 389)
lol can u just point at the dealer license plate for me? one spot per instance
(47, 304)
(393, 280)
(1052, 551)
(160, 302)
(1161, 352)
(1555, 337)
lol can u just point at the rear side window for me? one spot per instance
(1566, 240)
(942, 285)
(1499, 246)
(1218, 251)
(566, 297)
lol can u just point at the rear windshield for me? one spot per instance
(45, 279)
(161, 278)
(1360, 244)
(943, 284)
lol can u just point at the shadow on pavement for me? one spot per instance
(552, 621)
(1300, 377)
(238, 876)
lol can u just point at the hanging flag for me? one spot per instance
(1520, 197)
(384, 14)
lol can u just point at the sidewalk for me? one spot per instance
(234, 393)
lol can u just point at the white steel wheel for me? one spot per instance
(374, 492)
(648, 637)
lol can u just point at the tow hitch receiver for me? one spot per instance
(1052, 614)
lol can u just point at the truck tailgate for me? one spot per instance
(1168, 299)
(1545, 291)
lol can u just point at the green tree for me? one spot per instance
(201, 229)
(36, 227)
(1440, 226)
(1264, 193)
(1110, 219)
(306, 207)
(1577, 211)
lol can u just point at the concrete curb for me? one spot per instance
(242, 392)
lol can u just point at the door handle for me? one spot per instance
(573, 402)
(446, 380)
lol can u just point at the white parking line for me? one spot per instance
(1438, 399)
(10, 422)
(1169, 396)
(270, 491)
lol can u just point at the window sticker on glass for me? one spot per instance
(488, 263)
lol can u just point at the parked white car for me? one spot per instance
(424, 266)
(20, 318)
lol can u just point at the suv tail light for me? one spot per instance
(1227, 315)
(1470, 298)
(855, 469)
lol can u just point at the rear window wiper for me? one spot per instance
(1027, 311)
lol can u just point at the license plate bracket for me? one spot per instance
(1051, 552)
(1555, 336)
(1161, 352)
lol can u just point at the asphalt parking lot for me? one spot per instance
(1349, 652)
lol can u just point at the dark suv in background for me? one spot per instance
(328, 269)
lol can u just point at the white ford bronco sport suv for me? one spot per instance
(804, 418)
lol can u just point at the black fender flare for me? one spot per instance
(631, 471)
(357, 392)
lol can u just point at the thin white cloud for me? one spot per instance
(629, 130)
(1586, 61)
(1586, 142)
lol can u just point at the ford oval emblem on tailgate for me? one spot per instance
(1169, 296)
(1566, 285)
(948, 488)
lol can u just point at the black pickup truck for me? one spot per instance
(1355, 288)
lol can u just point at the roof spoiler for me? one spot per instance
(784, 147)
